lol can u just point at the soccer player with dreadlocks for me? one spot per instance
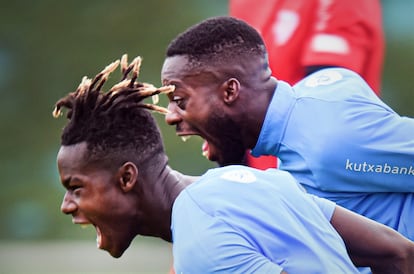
(233, 219)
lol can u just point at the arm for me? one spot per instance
(372, 244)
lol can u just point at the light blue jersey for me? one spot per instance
(241, 220)
(341, 142)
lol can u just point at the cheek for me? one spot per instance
(201, 111)
(97, 199)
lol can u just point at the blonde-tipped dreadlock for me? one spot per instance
(129, 86)
(114, 121)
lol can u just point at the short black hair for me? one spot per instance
(217, 39)
(114, 124)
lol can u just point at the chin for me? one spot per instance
(116, 253)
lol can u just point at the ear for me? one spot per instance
(127, 176)
(231, 89)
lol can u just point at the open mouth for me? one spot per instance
(204, 148)
(99, 236)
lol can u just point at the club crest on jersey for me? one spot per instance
(239, 176)
(323, 78)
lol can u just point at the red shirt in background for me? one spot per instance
(300, 34)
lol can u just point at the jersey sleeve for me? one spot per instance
(342, 34)
(207, 244)
(327, 207)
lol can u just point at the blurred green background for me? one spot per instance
(47, 46)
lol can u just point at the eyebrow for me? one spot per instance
(66, 181)
(176, 83)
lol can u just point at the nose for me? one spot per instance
(68, 206)
(172, 117)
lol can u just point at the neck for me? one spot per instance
(254, 116)
(161, 190)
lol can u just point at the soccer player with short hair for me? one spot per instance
(330, 130)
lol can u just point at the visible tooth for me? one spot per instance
(98, 237)
(155, 99)
(185, 138)
(205, 154)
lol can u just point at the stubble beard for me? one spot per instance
(230, 146)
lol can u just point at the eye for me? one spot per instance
(176, 99)
(73, 188)
(179, 101)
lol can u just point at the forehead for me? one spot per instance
(176, 67)
(72, 157)
(182, 72)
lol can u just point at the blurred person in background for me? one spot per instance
(303, 36)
